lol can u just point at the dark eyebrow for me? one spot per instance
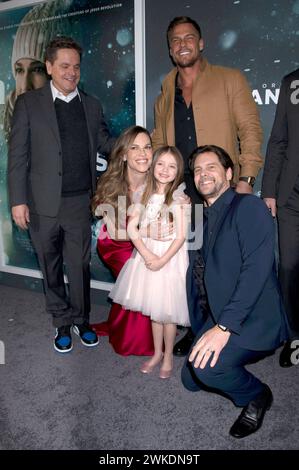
(37, 63)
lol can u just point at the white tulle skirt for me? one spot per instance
(158, 294)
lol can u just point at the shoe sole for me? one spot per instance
(76, 331)
(62, 351)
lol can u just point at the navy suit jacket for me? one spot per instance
(240, 276)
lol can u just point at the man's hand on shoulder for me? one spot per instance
(20, 215)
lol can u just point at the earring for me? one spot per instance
(125, 159)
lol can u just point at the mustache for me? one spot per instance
(204, 180)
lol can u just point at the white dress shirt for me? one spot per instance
(67, 98)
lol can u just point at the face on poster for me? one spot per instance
(105, 30)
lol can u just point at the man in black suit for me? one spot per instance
(280, 190)
(56, 133)
(234, 304)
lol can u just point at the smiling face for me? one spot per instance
(185, 45)
(139, 155)
(165, 170)
(65, 70)
(210, 177)
(30, 74)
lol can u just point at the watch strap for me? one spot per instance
(248, 179)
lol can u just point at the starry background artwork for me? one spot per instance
(105, 29)
(261, 38)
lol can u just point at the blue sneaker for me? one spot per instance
(88, 336)
(63, 340)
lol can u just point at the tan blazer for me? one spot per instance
(225, 114)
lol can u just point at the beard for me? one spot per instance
(184, 62)
(214, 191)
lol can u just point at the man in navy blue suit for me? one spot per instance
(234, 302)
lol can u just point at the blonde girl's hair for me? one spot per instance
(114, 182)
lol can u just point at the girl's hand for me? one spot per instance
(155, 264)
(148, 259)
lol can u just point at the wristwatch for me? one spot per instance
(248, 179)
(223, 328)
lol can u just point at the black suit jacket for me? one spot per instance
(240, 278)
(35, 155)
(282, 158)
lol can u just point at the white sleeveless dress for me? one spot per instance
(161, 295)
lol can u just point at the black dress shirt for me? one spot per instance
(211, 215)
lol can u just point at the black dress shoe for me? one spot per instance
(252, 415)
(183, 346)
(285, 355)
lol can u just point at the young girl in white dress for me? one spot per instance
(153, 279)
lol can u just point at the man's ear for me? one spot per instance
(201, 44)
(229, 174)
(49, 67)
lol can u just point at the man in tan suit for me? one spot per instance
(202, 104)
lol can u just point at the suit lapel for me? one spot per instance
(220, 221)
(46, 100)
(85, 107)
(169, 91)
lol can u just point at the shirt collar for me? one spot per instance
(57, 94)
(219, 203)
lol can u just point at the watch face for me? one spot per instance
(248, 179)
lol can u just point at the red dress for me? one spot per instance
(130, 333)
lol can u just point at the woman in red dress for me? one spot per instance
(121, 185)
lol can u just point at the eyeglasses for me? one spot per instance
(138, 149)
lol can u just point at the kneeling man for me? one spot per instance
(235, 307)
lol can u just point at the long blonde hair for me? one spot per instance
(114, 182)
(151, 186)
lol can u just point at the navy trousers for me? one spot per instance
(229, 376)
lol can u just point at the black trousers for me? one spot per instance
(65, 239)
(288, 235)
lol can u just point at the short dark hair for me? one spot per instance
(61, 42)
(222, 155)
(182, 20)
